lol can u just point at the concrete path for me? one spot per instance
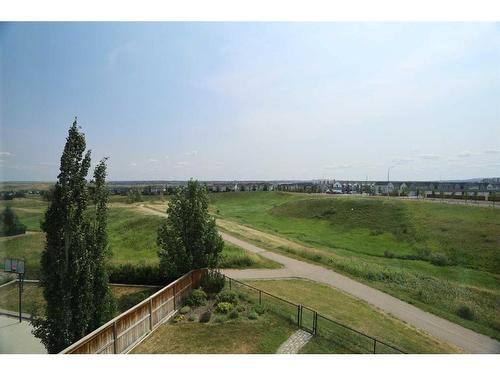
(295, 342)
(16, 337)
(440, 328)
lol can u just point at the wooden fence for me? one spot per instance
(122, 333)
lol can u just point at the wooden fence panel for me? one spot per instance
(120, 334)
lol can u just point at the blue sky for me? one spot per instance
(253, 100)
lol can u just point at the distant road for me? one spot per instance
(440, 328)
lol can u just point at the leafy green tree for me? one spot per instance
(73, 241)
(188, 239)
(10, 224)
(103, 300)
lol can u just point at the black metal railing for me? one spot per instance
(343, 339)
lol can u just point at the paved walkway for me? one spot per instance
(440, 328)
(16, 337)
(295, 342)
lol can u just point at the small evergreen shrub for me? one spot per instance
(227, 296)
(224, 307)
(214, 282)
(233, 314)
(240, 308)
(439, 259)
(259, 309)
(192, 318)
(252, 315)
(185, 309)
(196, 298)
(220, 319)
(388, 254)
(465, 312)
(10, 224)
(205, 317)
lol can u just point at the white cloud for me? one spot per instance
(151, 160)
(181, 164)
(133, 164)
(403, 160)
(5, 153)
(166, 157)
(465, 154)
(430, 156)
(191, 153)
(492, 151)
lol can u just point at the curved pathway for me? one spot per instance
(440, 328)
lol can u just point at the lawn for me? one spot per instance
(387, 243)
(354, 313)
(264, 335)
(126, 296)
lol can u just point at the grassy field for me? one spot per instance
(354, 313)
(391, 244)
(132, 237)
(126, 296)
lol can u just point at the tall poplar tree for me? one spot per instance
(72, 250)
(188, 239)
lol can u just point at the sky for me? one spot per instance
(261, 101)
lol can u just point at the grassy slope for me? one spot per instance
(132, 238)
(351, 235)
(354, 313)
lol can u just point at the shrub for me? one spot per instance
(220, 319)
(242, 296)
(252, 315)
(224, 307)
(213, 282)
(233, 314)
(196, 298)
(185, 309)
(227, 296)
(179, 318)
(465, 312)
(240, 308)
(126, 301)
(192, 318)
(439, 259)
(259, 309)
(388, 254)
(10, 224)
(136, 274)
(205, 317)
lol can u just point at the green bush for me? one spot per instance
(205, 317)
(227, 296)
(192, 318)
(179, 318)
(465, 312)
(259, 309)
(240, 308)
(219, 319)
(196, 298)
(252, 315)
(214, 282)
(185, 309)
(10, 224)
(136, 274)
(233, 314)
(224, 307)
(439, 259)
(126, 301)
(388, 254)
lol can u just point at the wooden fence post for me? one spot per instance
(175, 296)
(374, 346)
(115, 339)
(260, 297)
(150, 304)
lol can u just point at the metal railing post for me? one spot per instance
(260, 297)
(115, 343)
(315, 322)
(374, 346)
(229, 283)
